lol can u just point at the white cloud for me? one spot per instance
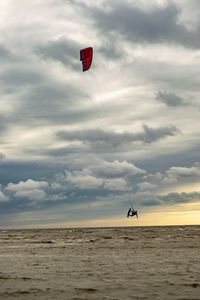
(117, 169)
(181, 174)
(83, 180)
(145, 186)
(116, 184)
(3, 198)
(33, 190)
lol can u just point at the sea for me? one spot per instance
(120, 263)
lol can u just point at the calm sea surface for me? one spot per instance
(102, 263)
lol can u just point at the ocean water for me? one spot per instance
(101, 263)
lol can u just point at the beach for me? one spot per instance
(101, 263)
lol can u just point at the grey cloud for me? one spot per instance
(18, 76)
(63, 50)
(149, 135)
(51, 102)
(34, 93)
(183, 156)
(85, 180)
(14, 171)
(150, 202)
(3, 127)
(170, 99)
(4, 53)
(171, 198)
(153, 134)
(110, 176)
(63, 151)
(153, 26)
(111, 49)
(180, 197)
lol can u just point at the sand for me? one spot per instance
(110, 263)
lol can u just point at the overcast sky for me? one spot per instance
(76, 147)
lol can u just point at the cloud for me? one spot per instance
(153, 134)
(18, 76)
(116, 169)
(3, 198)
(4, 53)
(151, 202)
(30, 189)
(83, 180)
(100, 137)
(180, 197)
(110, 176)
(181, 174)
(170, 178)
(170, 199)
(155, 25)
(111, 49)
(116, 184)
(145, 186)
(170, 99)
(65, 51)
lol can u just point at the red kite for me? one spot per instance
(86, 58)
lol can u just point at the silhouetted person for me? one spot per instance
(132, 212)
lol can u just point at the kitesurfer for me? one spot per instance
(132, 212)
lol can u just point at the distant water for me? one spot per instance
(101, 263)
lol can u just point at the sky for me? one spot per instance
(76, 147)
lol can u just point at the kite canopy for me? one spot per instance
(86, 58)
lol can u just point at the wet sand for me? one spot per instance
(110, 263)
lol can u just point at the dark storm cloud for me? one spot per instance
(170, 99)
(158, 25)
(65, 51)
(149, 135)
